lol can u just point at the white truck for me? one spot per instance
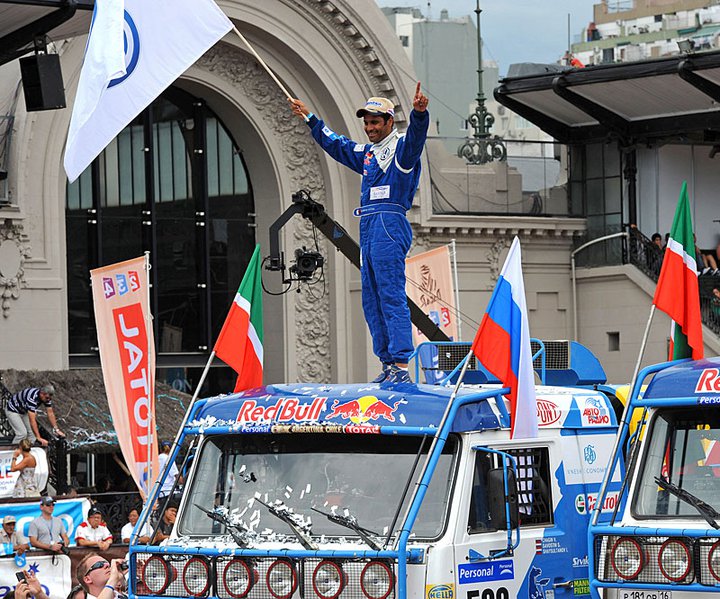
(370, 491)
(663, 539)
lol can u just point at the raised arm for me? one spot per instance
(344, 150)
(416, 133)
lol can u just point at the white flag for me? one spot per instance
(158, 41)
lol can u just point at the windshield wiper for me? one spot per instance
(351, 522)
(239, 534)
(706, 511)
(283, 513)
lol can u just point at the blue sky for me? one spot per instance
(516, 30)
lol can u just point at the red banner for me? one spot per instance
(127, 355)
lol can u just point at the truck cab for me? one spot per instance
(663, 540)
(376, 491)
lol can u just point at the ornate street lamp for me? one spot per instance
(483, 147)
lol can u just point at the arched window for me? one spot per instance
(173, 183)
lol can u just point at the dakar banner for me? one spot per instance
(430, 286)
(127, 355)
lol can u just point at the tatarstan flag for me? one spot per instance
(240, 343)
(677, 291)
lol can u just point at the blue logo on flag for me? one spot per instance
(500, 570)
(132, 49)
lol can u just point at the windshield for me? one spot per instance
(363, 474)
(683, 450)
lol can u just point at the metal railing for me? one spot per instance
(642, 253)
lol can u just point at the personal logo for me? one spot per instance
(363, 409)
(589, 454)
(131, 39)
(440, 591)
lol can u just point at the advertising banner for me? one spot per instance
(127, 355)
(430, 286)
(8, 479)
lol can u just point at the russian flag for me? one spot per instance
(502, 344)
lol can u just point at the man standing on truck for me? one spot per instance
(390, 169)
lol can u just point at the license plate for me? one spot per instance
(644, 594)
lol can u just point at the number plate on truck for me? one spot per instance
(643, 594)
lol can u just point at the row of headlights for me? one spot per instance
(239, 576)
(628, 559)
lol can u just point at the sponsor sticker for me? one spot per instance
(359, 148)
(548, 412)
(363, 410)
(581, 586)
(440, 591)
(595, 413)
(484, 572)
(709, 381)
(381, 192)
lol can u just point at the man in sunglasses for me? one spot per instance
(47, 531)
(100, 578)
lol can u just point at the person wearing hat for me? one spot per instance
(93, 532)
(21, 411)
(10, 535)
(390, 169)
(48, 531)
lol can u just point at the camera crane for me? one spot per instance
(306, 262)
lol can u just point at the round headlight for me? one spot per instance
(281, 579)
(196, 577)
(238, 578)
(156, 575)
(714, 560)
(627, 558)
(328, 580)
(376, 580)
(674, 560)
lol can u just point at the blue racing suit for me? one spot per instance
(390, 174)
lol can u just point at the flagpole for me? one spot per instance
(625, 417)
(440, 427)
(148, 504)
(264, 66)
(151, 373)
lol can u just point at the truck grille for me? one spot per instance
(184, 576)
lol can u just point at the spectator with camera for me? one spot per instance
(101, 579)
(27, 587)
(48, 531)
(93, 532)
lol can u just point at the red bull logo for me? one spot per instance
(709, 381)
(283, 410)
(548, 412)
(363, 409)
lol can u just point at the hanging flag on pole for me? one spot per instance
(677, 293)
(135, 50)
(502, 344)
(240, 343)
(127, 356)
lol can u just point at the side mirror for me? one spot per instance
(497, 499)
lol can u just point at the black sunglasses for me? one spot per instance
(97, 566)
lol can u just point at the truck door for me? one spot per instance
(541, 566)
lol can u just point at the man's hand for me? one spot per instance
(42, 441)
(34, 586)
(104, 545)
(58, 432)
(55, 547)
(117, 576)
(298, 107)
(22, 590)
(420, 101)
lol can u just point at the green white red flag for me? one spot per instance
(240, 343)
(677, 292)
